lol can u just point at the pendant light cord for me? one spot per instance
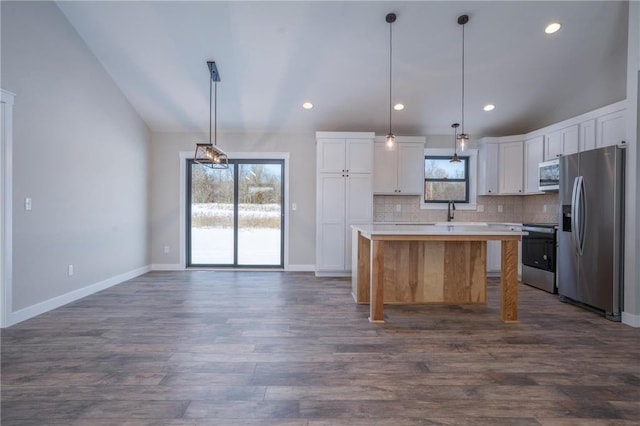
(462, 79)
(215, 124)
(390, 71)
(210, 84)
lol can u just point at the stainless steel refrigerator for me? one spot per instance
(590, 238)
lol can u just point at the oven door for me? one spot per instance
(539, 248)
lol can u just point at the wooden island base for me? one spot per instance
(422, 269)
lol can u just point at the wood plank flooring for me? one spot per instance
(275, 348)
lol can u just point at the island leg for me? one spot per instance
(509, 282)
(376, 292)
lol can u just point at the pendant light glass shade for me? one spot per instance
(463, 137)
(208, 154)
(391, 138)
(455, 158)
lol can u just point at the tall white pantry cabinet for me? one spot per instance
(344, 196)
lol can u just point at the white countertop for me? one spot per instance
(441, 228)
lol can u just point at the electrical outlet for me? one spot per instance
(27, 203)
(499, 208)
(480, 207)
(398, 208)
(70, 270)
(166, 249)
(544, 208)
(294, 206)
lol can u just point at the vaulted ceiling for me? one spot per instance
(273, 56)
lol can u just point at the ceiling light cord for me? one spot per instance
(390, 73)
(462, 130)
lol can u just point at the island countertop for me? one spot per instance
(441, 229)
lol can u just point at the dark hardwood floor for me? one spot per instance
(274, 348)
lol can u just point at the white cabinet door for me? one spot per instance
(587, 135)
(570, 140)
(488, 169)
(533, 155)
(385, 169)
(359, 156)
(410, 168)
(561, 142)
(552, 145)
(331, 222)
(398, 171)
(331, 156)
(510, 168)
(359, 208)
(610, 129)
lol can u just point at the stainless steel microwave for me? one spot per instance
(549, 175)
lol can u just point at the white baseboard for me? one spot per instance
(333, 274)
(300, 268)
(48, 305)
(167, 267)
(630, 319)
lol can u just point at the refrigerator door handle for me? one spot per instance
(574, 215)
(580, 216)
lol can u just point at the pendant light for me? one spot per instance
(391, 138)
(463, 137)
(208, 154)
(455, 158)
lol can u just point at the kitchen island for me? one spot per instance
(432, 263)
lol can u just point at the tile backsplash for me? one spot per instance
(519, 209)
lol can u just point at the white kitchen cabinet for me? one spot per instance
(510, 164)
(588, 135)
(488, 167)
(561, 142)
(399, 171)
(533, 155)
(351, 155)
(610, 129)
(344, 196)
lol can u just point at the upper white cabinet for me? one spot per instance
(344, 155)
(344, 196)
(400, 170)
(588, 135)
(561, 142)
(510, 167)
(488, 167)
(500, 165)
(533, 155)
(611, 129)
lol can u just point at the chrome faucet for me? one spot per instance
(451, 206)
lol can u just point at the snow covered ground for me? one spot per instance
(256, 245)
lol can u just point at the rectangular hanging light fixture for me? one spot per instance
(208, 154)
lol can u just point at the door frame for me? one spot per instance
(6, 211)
(188, 155)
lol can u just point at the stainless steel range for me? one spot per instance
(539, 251)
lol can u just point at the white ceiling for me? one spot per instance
(273, 56)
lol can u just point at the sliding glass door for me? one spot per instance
(235, 216)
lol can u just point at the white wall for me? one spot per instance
(165, 189)
(80, 154)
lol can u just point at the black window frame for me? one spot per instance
(466, 180)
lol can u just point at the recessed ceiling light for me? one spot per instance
(489, 107)
(307, 105)
(552, 28)
(398, 107)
